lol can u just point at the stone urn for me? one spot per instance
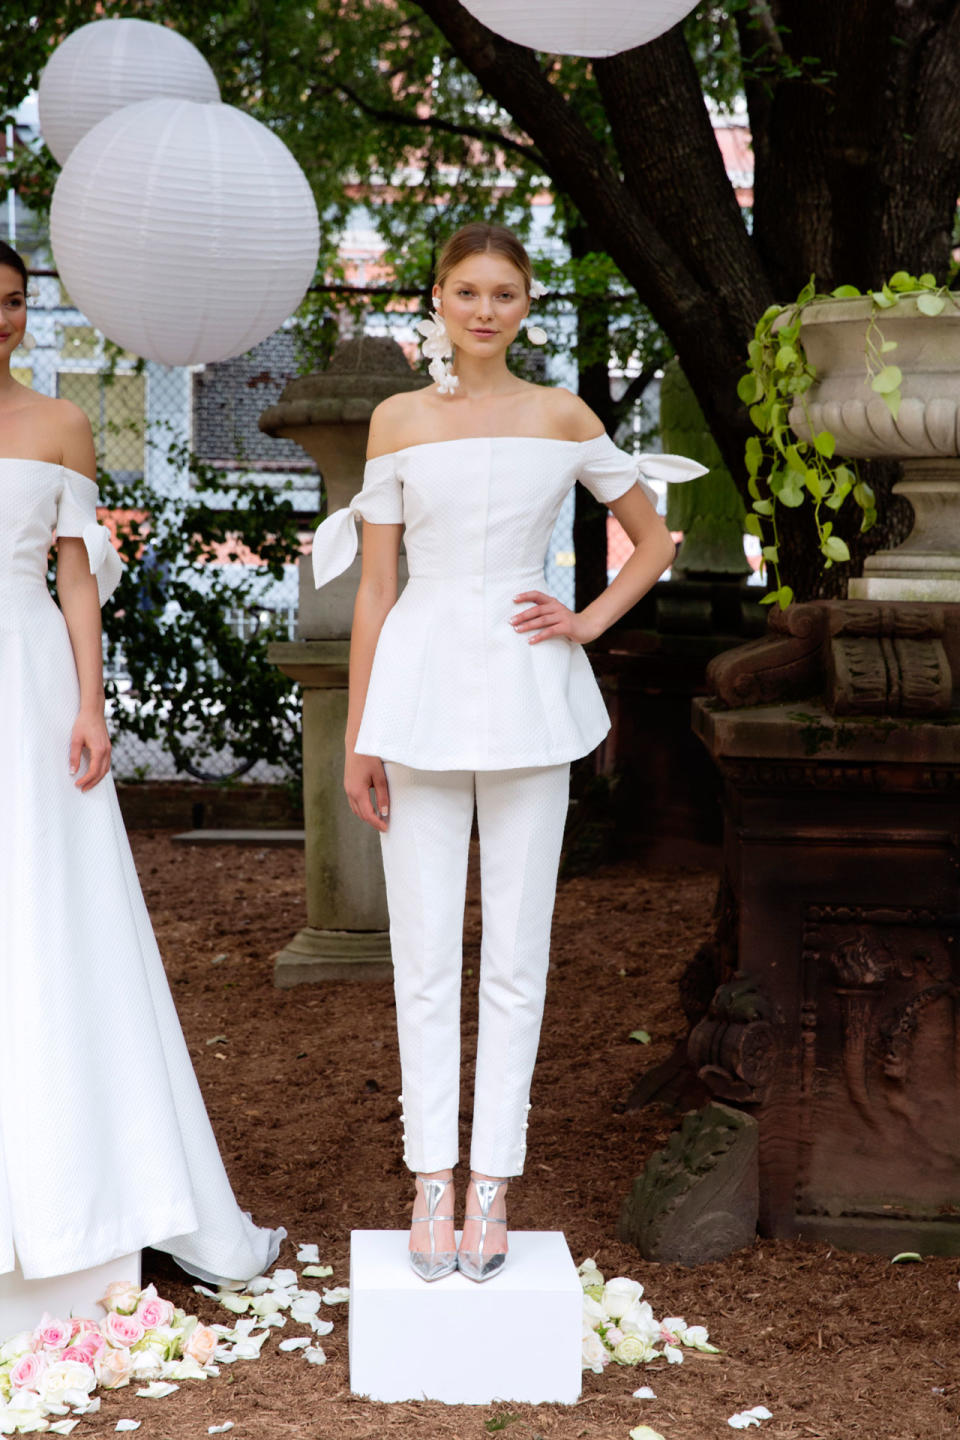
(328, 414)
(925, 436)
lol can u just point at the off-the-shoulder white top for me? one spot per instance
(453, 685)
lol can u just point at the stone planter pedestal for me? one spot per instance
(836, 971)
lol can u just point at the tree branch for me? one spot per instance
(530, 154)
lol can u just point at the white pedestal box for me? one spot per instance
(23, 1302)
(516, 1337)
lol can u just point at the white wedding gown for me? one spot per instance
(105, 1145)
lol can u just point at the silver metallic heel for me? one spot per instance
(432, 1264)
(472, 1262)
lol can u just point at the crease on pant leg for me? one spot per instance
(513, 983)
(426, 959)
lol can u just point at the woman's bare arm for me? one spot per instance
(80, 603)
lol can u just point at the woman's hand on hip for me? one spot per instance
(549, 618)
(89, 733)
(361, 774)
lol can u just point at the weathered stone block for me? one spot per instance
(697, 1199)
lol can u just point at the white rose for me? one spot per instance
(147, 1364)
(619, 1295)
(25, 1412)
(594, 1354)
(640, 1320)
(633, 1351)
(18, 1345)
(697, 1337)
(593, 1314)
(67, 1382)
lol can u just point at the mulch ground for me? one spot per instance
(302, 1090)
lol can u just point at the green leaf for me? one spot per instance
(753, 455)
(868, 521)
(812, 481)
(888, 379)
(753, 488)
(763, 507)
(825, 444)
(792, 494)
(927, 281)
(642, 1035)
(784, 596)
(750, 388)
(753, 525)
(892, 402)
(864, 495)
(882, 301)
(901, 281)
(838, 497)
(770, 599)
(808, 291)
(771, 554)
(906, 1255)
(835, 548)
(887, 346)
(845, 292)
(930, 304)
(786, 356)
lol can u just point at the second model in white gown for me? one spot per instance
(105, 1145)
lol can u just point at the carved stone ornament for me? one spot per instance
(733, 1048)
(865, 658)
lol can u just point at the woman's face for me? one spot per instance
(483, 300)
(13, 310)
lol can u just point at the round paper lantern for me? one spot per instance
(579, 27)
(185, 232)
(111, 63)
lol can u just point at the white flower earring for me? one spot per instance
(28, 341)
(437, 348)
(535, 334)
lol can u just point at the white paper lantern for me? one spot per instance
(579, 27)
(185, 232)
(111, 63)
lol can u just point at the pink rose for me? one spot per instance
(52, 1334)
(152, 1313)
(201, 1345)
(114, 1368)
(86, 1350)
(122, 1296)
(26, 1371)
(123, 1330)
(79, 1326)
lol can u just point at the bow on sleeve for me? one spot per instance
(380, 502)
(77, 517)
(609, 472)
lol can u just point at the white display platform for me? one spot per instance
(516, 1337)
(23, 1302)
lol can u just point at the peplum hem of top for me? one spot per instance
(606, 471)
(77, 518)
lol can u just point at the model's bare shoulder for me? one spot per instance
(395, 423)
(569, 417)
(74, 437)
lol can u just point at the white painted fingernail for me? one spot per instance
(384, 812)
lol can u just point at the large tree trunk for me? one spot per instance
(855, 178)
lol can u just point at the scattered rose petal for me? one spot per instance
(308, 1255)
(644, 1393)
(237, 1304)
(63, 1427)
(745, 1418)
(338, 1296)
(285, 1278)
(315, 1356)
(259, 1285)
(205, 1290)
(128, 1424)
(317, 1272)
(91, 1407)
(760, 1412)
(299, 1342)
(157, 1390)
(219, 1429)
(643, 1432)
(673, 1355)
(320, 1327)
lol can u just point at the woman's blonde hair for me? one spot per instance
(478, 238)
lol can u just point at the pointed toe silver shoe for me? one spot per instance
(433, 1264)
(474, 1263)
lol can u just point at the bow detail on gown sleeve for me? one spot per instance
(77, 517)
(380, 502)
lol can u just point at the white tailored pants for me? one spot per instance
(520, 818)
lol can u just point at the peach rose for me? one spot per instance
(114, 1368)
(154, 1312)
(201, 1345)
(123, 1330)
(122, 1296)
(80, 1326)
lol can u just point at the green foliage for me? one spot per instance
(201, 687)
(786, 470)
